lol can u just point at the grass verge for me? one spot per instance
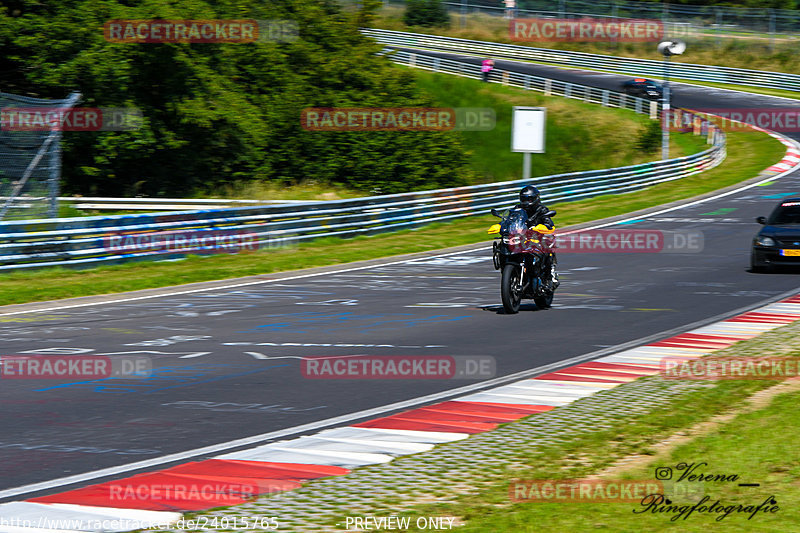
(713, 425)
(750, 53)
(748, 154)
(608, 136)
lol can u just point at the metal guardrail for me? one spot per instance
(548, 86)
(615, 64)
(96, 203)
(92, 241)
(162, 204)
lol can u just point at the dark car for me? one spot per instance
(643, 88)
(778, 242)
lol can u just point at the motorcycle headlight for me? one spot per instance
(513, 240)
(765, 241)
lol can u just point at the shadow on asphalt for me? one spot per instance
(784, 270)
(498, 309)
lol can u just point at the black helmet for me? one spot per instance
(529, 197)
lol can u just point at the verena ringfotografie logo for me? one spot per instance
(399, 367)
(719, 368)
(674, 499)
(74, 367)
(200, 31)
(398, 119)
(586, 30)
(73, 119)
(609, 241)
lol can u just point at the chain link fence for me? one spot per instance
(30, 158)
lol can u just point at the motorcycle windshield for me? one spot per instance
(515, 222)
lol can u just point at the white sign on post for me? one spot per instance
(527, 134)
(527, 129)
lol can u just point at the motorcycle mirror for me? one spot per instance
(495, 213)
(761, 220)
(551, 213)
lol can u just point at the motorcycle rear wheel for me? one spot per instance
(510, 286)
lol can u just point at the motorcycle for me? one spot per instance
(526, 258)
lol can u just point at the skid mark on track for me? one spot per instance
(181, 376)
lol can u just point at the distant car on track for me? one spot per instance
(643, 88)
(778, 242)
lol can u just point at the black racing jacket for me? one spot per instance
(537, 215)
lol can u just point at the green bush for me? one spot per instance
(649, 139)
(428, 13)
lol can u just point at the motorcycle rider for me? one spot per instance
(530, 201)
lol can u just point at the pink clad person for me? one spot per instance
(486, 68)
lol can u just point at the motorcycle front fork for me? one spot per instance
(554, 274)
(551, 267)
(554, 283)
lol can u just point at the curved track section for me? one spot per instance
(683, 94)
(227, 363)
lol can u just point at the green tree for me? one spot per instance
(430, 13)
(220, 113)
(649, 139)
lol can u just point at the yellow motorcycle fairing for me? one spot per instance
(495, 229)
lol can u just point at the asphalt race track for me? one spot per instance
(226, 362)
(682, 94)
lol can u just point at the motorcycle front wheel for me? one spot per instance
(511, 288)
